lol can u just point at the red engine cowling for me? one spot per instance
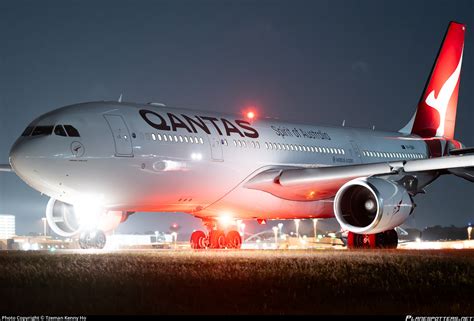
(372, 205)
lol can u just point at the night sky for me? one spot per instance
(303, 61)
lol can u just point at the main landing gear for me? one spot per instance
(215, 239)
(384, 240)
(95, 239)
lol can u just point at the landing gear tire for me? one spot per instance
(217, 239)
(99, 240)
(198, 240)
(92, 240)
(387, 239)
(83, 241)
(384, 240)
(233, 240)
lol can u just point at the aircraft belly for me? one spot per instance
(249, 204)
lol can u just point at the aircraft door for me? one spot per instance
(356, 152)
(216, 149)
(121, 135)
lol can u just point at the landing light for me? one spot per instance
(225, 219)
(88, 211)
(196, 156)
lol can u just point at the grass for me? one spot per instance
(233, 282)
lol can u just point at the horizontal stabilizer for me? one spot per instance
(462, 151)
(466, 173)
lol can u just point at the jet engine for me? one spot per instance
(67, 220)
(372, 205)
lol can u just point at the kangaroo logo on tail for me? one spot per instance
(436, 112)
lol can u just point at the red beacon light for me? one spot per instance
(250, 113)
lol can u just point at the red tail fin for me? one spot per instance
(436, 112)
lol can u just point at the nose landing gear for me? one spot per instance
(95, 239)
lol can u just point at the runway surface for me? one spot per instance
(237, 282)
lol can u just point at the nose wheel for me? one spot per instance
(92, 240)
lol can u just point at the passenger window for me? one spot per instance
(59, 130)
(43, 130)
(71, 131)
(201, 140)
(159, 137)
(27, 131)
(153, 136)
(180, 138)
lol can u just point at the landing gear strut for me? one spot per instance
(215, 239)
(386, 240)
(92, 240)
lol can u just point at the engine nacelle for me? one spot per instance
(371, 205)
(66, 220)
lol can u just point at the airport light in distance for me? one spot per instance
(275, 231)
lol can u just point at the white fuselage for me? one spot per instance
(132, 161)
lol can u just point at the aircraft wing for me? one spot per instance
(310, 184)
(5, 168)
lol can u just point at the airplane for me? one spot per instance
(100, 162)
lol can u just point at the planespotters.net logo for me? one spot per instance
(438, 318)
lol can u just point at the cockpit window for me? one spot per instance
(28, 131)
(71, 131)
(59, 130)
(42, 130)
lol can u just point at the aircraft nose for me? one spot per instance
(21, 156)
(17, 156)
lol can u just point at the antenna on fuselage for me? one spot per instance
(120, 98)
